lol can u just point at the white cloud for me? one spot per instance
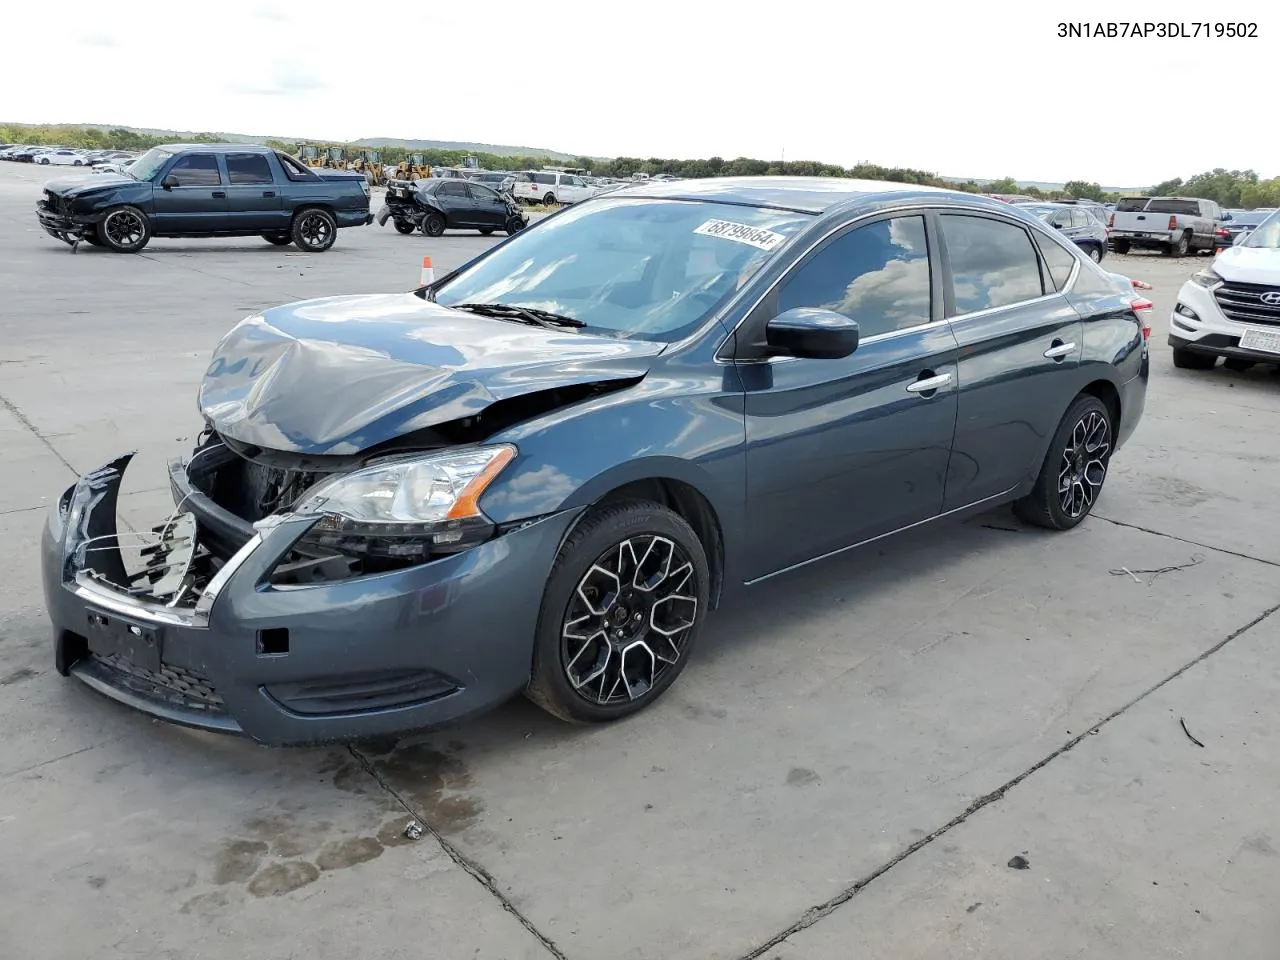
(980, 89)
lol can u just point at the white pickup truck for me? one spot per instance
(1174, 225)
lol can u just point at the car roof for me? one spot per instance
(804, 194)
(219, 147)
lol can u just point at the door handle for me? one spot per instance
(1059, 350)
(268, 193)
(929, 384)
(220, 194)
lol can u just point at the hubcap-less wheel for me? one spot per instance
(315, 230)
(627, 620)
(1084, 464)
(124, 228)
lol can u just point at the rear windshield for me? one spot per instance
(1189, 207)
(1131, 204)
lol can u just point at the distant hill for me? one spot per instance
(496, 149)
(1038, 184)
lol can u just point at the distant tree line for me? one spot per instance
(1230, 188)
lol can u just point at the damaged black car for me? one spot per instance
(541, 472)
(434, 205)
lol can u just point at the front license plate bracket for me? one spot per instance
(137, 643)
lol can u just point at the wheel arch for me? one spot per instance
(1107, 392)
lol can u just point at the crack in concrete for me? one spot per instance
(816, 913)
(477, 872)
(44, 763)
(22, 419)
(1190, 543)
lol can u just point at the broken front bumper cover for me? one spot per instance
(365, 657)
(64, 227)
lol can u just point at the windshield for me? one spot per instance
(643, 269)
(146, 166)
(1267, 234)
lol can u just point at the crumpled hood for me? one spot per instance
(84, 182)
(1249, 265)
(339, 375)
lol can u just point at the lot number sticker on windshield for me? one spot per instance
(741, 233)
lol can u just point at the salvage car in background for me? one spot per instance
(1232, 308)
(206, 190)
(1176, 226)
(1077, 224)
(1243, 222)
(438, 204)
(61, 157)
(540, 472)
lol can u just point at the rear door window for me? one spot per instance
(248, 168)
(993, 263)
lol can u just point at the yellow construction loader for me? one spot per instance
(413, 167)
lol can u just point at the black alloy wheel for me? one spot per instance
(405, 226)
(314, 230)
(1074, 469)
(621, 613)
(125, 229)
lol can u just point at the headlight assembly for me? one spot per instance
(409, 507)
(1206, 278)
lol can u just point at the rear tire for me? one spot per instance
(405, 226)
(593, 667)
(1179, 248)
(1190, 360)
(314, 229)
(1074, 469)
(1095, 254)
(549, 200)
(433, 225)
(1121, 247)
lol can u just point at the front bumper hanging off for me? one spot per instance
(368, 656)
(63, 226)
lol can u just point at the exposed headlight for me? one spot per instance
(1206, 278)
(408, 507)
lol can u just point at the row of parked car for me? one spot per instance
(63, 156)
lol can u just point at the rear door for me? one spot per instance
(196, 202)
(455, 202)
(1020, 347)
(252, 198)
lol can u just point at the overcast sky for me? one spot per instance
(982, 89)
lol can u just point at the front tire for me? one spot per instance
(486, 231)
(405, 226)
(621, 613)
(514, 225)
(314, 230)
(1190, 360)
(125, 230)
(278, 239)
(1074, 469)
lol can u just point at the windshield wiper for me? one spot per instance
(530, 315)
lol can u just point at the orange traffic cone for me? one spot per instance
(428, 274)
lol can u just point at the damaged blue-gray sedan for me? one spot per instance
(541, 472)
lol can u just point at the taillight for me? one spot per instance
(1111, 222)
(1173, 223)
(1142, 308)
(1140, 285)
(1222, 232)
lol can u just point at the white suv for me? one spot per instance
(1232, 308)
(547, 186)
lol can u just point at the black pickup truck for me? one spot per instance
(206, 190)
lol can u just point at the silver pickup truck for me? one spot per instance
(1174, 225)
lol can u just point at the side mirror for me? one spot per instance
(812, 333)
(170, 182)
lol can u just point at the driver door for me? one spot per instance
(196, 202)
(840, 451)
